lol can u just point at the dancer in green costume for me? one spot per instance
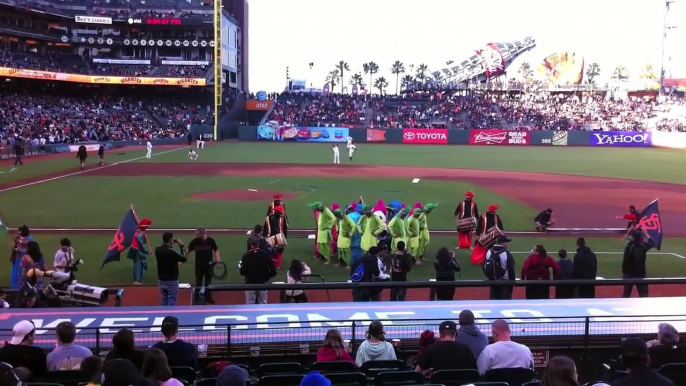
(398, 229)
(413, 232)
(424, 237)
(325, 222)
(346, 229)
(370, 226)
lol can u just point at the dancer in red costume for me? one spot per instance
(487, 221)
(466, 209)
(632, 217)
(274, 225)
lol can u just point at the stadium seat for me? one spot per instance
(372, 368)
(42, 384)
(212, 369)
(455, 377)
(281, 380)
(513, 377)
(347, 379)
(206, 382)
(674, 371)
(187, 374)
(532, 383)
(283, 368)
(334, 367)
(64, 377)
(398, 378)
(487, 384)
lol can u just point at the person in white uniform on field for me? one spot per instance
(351, 148)
(149, 147)
(200, 143)
(192, 155)
(350, 142)
(336, 154)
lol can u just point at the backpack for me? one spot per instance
(358, 273)
(492, 267)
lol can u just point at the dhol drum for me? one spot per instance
(466, 224)
(489, 238)
(280, 240)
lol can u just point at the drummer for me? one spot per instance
(278, 201)
(275, 231)
(465, 217)
(489, 224)
(544, 220)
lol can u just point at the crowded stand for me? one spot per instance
(334, 110)
(180, 71)
(153, 13)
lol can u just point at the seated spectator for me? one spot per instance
(470, 335)
(375, 347)
(20, 352)
(634, 355)
(425, 340)
(118, 372)
(8, 377)
(125, 348)
(314, 378)
(537, 267)
(666, 349)
(3, 303)
(179, 353)
(504, 353)
(232, 375)
(447, 354)
(90, 367)
(156, 368)
(333, 348)
(67, 355)
(561, 371)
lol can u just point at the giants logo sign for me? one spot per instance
(425, 136)
(492, 60)
(498, 137)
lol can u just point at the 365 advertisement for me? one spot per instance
(620, 139)
(273, 131)
(497, 137)
(425, 136)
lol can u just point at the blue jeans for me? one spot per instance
(169, 290)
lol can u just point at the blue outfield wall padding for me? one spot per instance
(539, 137)
(458, 137)
(579, 138)
(247, 133)
(358, 135)
(394, 136)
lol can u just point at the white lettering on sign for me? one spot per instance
(115, 322)
(511, 314)
(605, 139)
(86, 322)
(292, 320)
(477, 315)
(317, 319)
(431, 136)
(398, 315)
(211, 322)
(158, 322)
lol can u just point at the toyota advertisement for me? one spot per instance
(620, 139)
(425, 136)
(497, 137)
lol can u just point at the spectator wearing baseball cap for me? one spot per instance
(504, 353)
(179, 353)
(634, 355)
(470, 335)
(20, 352)
(447, 354)
(232, 375)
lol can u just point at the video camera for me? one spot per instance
(64, 287)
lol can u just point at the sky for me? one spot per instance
(293, 33)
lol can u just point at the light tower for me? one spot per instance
(666, 65)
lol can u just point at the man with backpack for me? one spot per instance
(364, 270)
(634, 261)
(500, 266)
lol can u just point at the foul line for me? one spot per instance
(87, 170)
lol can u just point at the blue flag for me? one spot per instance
(122, 239)
(649, 219)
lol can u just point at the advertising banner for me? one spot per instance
(425, 136)
(131, 80)
(498, 137)
(376, 135)
(492, 60)
(255, 105)
(620, 139)
(560, 138)
(120, 61)
(284, 133)
(669, 139)
(93, 19)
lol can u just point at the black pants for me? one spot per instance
(204, 273)
(642, 289)
(538, 291)
(445, 293)
(501, 292)
(398, 294)
(364, 295)
(564, 292)
(586, 291)
(17, 159)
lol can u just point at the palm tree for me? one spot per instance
(370, 68)
(525, 71)
(342, 67)
(620, 74)
(648, 72)
(333, 78)
(397, 68)
(406, 81)
(381, 83)
(592, 72)
(356, 80)
(421, 70)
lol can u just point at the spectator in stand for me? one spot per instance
(447, 354)
(67, 355)
(120, 372)
(401, 264)
(634, 355)
(585, 268)
(294, 275)
(563, 291)
(666, 348)
(90, 368)
(445, 266)
(232, 375)
(333, 348)
(634, 261)
(124, 347)
(257, 267)
(20, 351)
(426, 339)
(560, 371)
(469, 333)
(179, 353)
(537, 267)
(156, 368)
(375, 347)
(504, 353)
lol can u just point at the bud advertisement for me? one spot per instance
(425, 136)
(620, 139)
(499, 137)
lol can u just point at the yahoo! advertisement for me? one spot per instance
(425, 136)
(620, 139)
(273, 131)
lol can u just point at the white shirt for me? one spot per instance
(505, 355)
(352, 148)
(149, 145)
(63, 258)
(335, 150)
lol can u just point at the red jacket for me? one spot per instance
(538, 268)
(328, 354)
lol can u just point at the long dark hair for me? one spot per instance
(33, 250)
(155, 366)
(443, 256)
(560, 371)
(376, 331)
(540, 251)
(296, 270)
(333, 339)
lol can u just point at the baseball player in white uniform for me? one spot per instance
(351, 148)
(192, 155)
(149, 147)
(200, 143)
(336, 154)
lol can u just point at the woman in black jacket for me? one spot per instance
(445, 265)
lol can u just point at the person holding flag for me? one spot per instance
(325, 221)
(139, 251)
(647, 234)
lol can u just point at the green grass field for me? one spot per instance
(83, 200)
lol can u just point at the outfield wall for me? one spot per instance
(475, 137)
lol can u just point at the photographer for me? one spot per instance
(445, 265)
(257, 232)
(168, 261)
(64, 256)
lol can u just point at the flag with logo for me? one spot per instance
(649, 219)
(123, 238)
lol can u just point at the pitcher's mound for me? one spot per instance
(240, 195)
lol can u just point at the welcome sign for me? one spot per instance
(620, 139)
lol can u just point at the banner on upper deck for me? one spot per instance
(498, 137)
(283, 133)
(77, 78)
(620, 139)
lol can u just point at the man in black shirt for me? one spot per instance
(401, 264)
(446, 354)
(206, 253)
(179, 353)
(634, 355)
(168, 261)
(257, 266)
(544, 220)
(257, 232)
(585, 268)
(634, 261)
(20, 352)
(18, 151)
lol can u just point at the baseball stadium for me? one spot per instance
(512, 192)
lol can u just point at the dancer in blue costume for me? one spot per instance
(355, 242)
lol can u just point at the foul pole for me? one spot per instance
(217, 64)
